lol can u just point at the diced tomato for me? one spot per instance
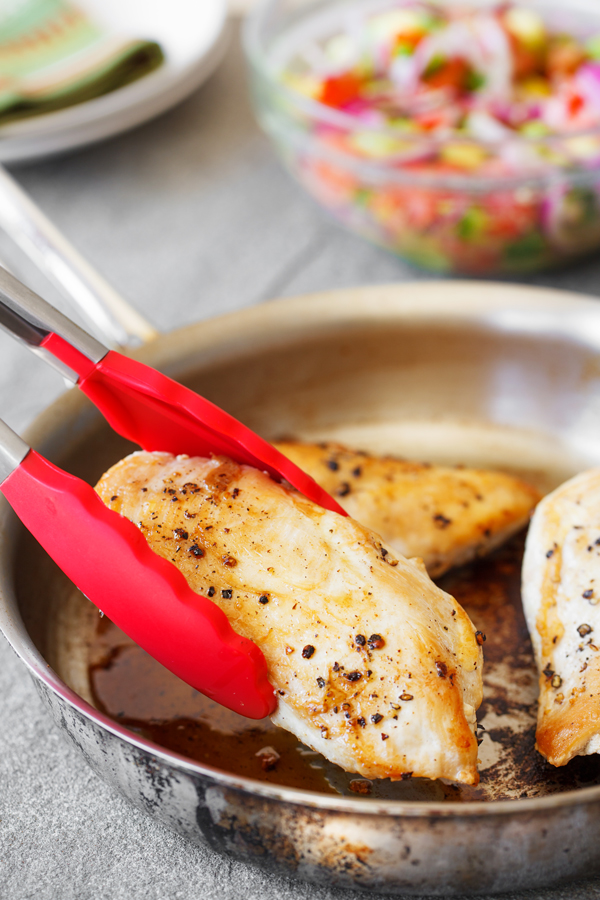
(340, 90)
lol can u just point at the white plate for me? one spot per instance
(192, 34)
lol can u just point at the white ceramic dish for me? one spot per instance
(193, 36)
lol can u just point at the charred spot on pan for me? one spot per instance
(235, 493)
(384, 737)
(336, 667)
(112, 499)
(227, 594)
(360, 640)
(181, 534)
(442, 669)
(550, 553)
(376, 718)
(361, 721)
(548, 672)
(263, 599)
(353, 676)
(441, 521)
(188, 514)
(321, 682)
(307, 651)
(584, 629)
(229, 561)
(196, 551)
(144, 490)
(480, 637)
(211, 592)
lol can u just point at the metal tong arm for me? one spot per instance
(13, 451)
(108, 314)
(39, 326)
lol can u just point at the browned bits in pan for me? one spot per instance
(181, 534)
(308, 651)
(584, 629)
(442, 669)
(480, 637)
(269, 757)
(353, 676)
(229, 561)
(196, 551)
(360, 786)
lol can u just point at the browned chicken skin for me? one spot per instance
(446, 516)
(374, 666)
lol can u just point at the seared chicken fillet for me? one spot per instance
(561, 599)
(374, 666)
(447, 516)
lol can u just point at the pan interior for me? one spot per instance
(450, 393)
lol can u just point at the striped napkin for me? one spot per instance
(52, 56)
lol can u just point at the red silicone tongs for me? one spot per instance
(103, 553)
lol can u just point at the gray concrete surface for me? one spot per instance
(189, 216)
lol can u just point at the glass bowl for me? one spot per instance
(539, 211)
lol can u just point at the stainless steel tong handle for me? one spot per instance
(31, 319)
(108, 314)
(13, 451)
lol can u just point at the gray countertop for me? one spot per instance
(189, 216)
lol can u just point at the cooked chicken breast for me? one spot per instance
(561, 598)
(374, 666)
(447, 516)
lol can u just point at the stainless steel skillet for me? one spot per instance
(489, 374)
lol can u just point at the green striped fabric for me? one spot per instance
(52, 56)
